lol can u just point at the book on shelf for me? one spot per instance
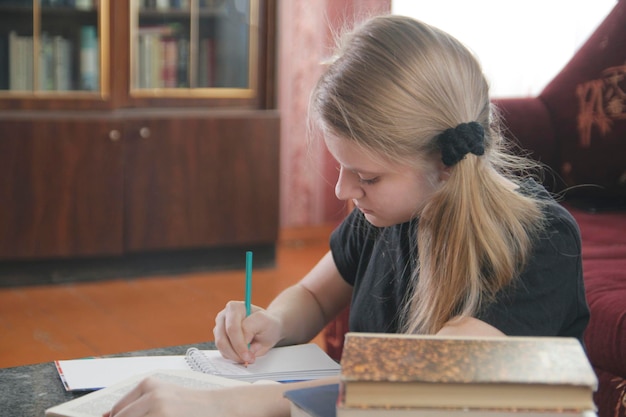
(169, 62)
(546, 374)
(54, 63)
(207, 62)
(182, 66)
(89, 60)
(62, 52)
(46, 63)
(78, 4)
(163, 5)
(84, 4)
(298, 362)
(180, 4)
(157, 57)
(96, 403)
(20, 62)
(54, 72)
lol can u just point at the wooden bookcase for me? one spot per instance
(131, 126)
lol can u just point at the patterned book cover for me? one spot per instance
(411, 370)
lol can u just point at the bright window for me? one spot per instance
(521, 45)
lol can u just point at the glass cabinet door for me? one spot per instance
(52, 46)
(196, 48)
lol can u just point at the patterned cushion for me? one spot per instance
(587, 105)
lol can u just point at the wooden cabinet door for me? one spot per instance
(202, 181)
(60, 188)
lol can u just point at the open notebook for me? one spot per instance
(298, 362)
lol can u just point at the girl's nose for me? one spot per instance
(348, 186)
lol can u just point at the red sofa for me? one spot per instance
(577, 127)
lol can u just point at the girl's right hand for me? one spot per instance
(242, 338)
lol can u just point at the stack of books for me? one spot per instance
(430, 376)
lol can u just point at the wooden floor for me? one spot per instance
(62, 321)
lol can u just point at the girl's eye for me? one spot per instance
(368, 181)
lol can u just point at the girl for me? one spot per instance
(447, 237)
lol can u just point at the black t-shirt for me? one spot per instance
(547, 299)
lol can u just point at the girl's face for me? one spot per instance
(386, 193)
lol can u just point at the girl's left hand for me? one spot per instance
(155, 398)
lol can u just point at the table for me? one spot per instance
(27, 391)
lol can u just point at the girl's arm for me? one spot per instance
(308, 306)
(468, 326)
(295, 316)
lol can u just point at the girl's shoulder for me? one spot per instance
(554, 211)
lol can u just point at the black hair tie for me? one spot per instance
(458, 141)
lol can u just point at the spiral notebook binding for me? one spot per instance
(198, 362)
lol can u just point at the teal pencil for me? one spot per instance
(248, 282)
(248, 299)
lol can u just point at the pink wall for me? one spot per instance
(304, 40)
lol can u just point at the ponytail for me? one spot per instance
(474, 236)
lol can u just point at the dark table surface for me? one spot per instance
(27, 391)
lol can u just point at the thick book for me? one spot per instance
(451, 412)
(96, 403)
(522, 373)
(320, 401)
(281, 364)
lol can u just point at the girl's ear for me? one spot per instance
(444, 171)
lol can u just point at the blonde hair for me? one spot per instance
(394, 86)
